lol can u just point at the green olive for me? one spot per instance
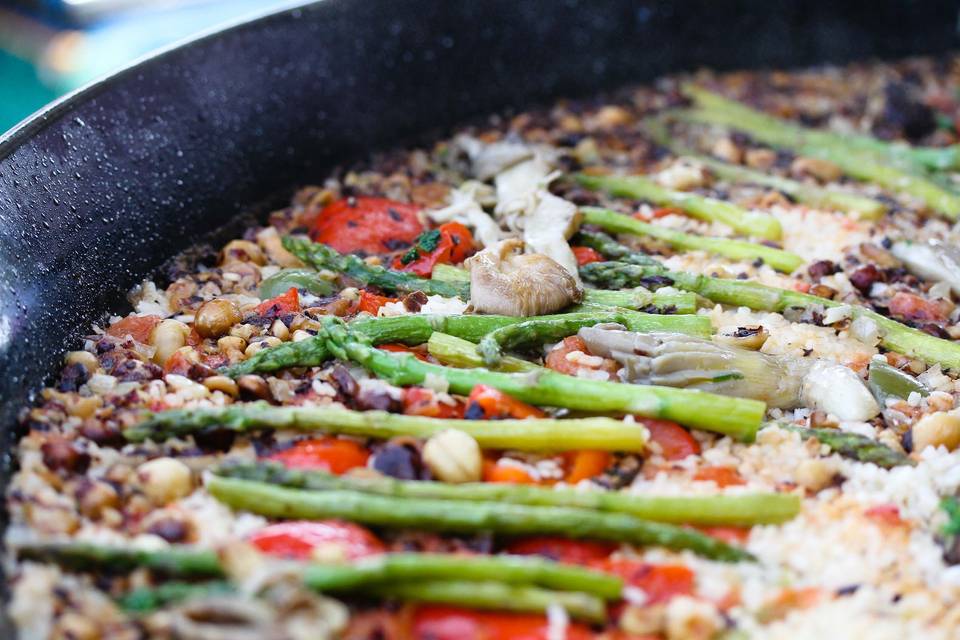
(305, 279)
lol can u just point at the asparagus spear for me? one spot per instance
(320, 256)
(675, 302)
(417, 329)
(936, 158)
(614, 222)
(497, 596)
(855, 446)
(855, 161)
(607, 246)
(861, 207)
(178, 561)
(702, 207)
(735, 417)
(739, 510)
(553, 328)
(462, 516)
(525, 435)
(146, 599)
(457, 352)
(893, 335)
(388, 568)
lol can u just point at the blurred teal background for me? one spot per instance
(50, 47)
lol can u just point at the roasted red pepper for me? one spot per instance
(487, 403)
(329, 454)
(367, 225)
(371, 302)
(675, 442)
(586, 464)
(402, 348)
(586, 255)
(660, 582)
(283, 304)
(436, 622)
(451, 243)
(137, 327)
(298, 539)
(418, 401)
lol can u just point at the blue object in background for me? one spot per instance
(42, 55)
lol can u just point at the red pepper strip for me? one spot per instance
(418, 401)
(586, 255)
(434, 622)
(329, 454)
(496, 405)
(721, 476)
(298, 539)
(137, 327)
(367, 225)
(454, 245)
(283, 304)
(675, 442)
(371, 302)
(586, 464)
(661, 582)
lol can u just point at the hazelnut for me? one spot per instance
(215, 317)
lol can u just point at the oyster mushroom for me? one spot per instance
(932, 260)
(504, 281)
(782, 381)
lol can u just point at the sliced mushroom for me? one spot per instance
(465, 207)
(547, 227)
(786, 382)
(503, 281)
(487, 160)
(933, 261)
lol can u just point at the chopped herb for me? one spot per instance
(951, 506)
(425, 242)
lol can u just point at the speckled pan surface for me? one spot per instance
(103, 188)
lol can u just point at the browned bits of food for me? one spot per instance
(822, 170)
(215, 318)
(253, 387)
(822, 268)
(242, 251)
(865, 277)
(95, 496)
(59, 454)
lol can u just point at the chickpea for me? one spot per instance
(164, 480)
(222, 383)
(453, 456)
(168, 336)
(813, 474)
(84, 358)
(280, 330)
(937, 429)
(242, 251)
(215, 317)
(254, 347)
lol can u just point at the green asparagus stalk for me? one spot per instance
(613, 250)
(893, 335)
(666, 302)
(673, 302)
(854, 446)
(450, 273)
(462, 516)
(614, 222)
(320, 256)
(416, 567)
(496, 596)
(861, 207)
(523, 435)
(176, 561)
(855, 161)
(935, 158)
(458, 352)
(738, 510)
(736, 417)
(147, 599)
(417, 329)
(702, 207)
(537, 331)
